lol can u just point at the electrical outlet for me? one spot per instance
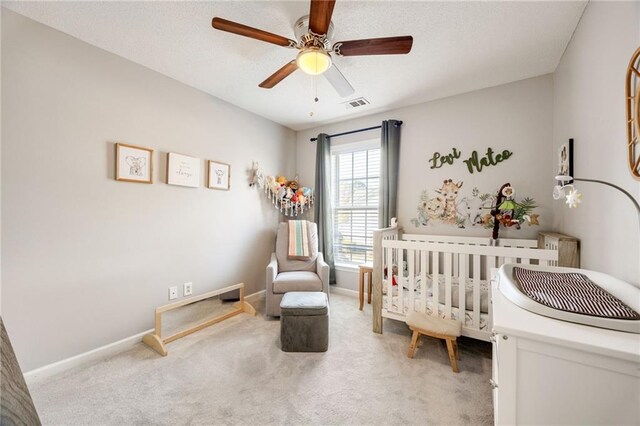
(173, 292)
(187, 289)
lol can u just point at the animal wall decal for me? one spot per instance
(449, 206)
(449, 192)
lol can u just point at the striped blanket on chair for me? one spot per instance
(299, 240)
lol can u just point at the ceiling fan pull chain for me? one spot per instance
(315, 86)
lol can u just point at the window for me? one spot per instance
(355, 180)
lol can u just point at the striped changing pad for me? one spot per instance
(572, 292)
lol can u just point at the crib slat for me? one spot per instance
(490, 262)
(476, 291)
(456, 264)
(506, 260)
(435, 279)
(492, 276)
(462, 286)
(411, 260)
(447, 284)
(525, 260)
(389, 266)
(424, 264)
(401, 290)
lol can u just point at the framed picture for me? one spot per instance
(183, 170)
(565, 159)
(219, 175)
(134, 163)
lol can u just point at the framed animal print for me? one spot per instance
(219, 175)
(134, 163)
(565, 159)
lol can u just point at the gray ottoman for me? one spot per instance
(304, 322)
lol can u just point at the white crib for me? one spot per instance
(425, 273)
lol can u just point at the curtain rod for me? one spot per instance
(398, 124)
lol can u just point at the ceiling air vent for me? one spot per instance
(356, 103)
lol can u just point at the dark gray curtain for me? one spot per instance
(322, 207)
(389, 164)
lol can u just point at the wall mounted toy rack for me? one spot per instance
(286, 196)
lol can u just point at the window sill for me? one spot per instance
(347, 267)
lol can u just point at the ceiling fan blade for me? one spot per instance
(320, 15)
(337, 80)
(243, 30)
(374, 46)
(279, 75)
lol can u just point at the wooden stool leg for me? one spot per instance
(452, 355)
(455, 349)
(370, 288)
(361, 288)
(414, 344)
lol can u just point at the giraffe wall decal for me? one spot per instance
(449, 192)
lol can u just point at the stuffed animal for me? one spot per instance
(282, 193)
(293, 184)
(394, 273)
(508, 193)
(281, 180)
(272, 184)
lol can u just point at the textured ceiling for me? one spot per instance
(458, 47)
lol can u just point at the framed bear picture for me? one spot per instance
(219, 175)
(134, 163)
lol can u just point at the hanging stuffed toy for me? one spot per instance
(508, 207)
(507, 212)
(496, 212)
(508, 193)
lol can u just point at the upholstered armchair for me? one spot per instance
(285, 274)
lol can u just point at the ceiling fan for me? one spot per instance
(314, 57)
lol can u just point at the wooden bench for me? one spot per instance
(440, 328)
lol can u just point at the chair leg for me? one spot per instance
(452, 355)
(414, 344)
(361, 289)
(370, 288)
(455, 349)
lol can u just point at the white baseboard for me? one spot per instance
(102, 352)
(92, 355)
(344, 291)
(257, 296)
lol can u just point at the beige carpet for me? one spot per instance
(235, 373)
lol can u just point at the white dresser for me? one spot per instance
(547, 371)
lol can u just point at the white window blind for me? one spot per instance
(356, 184)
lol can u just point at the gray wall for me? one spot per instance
(589, 107)
(85, 258)
(515, 116)
(1, 9)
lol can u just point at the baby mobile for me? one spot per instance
(286, 195)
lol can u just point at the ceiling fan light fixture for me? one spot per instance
(313, 60)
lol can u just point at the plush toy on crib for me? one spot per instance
(394, 274)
